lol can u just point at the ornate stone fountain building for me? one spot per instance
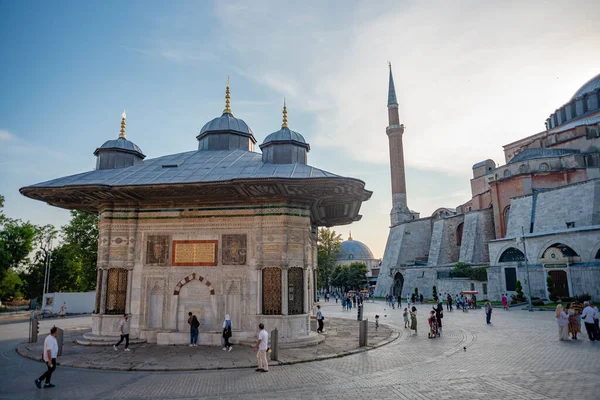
(214, 231)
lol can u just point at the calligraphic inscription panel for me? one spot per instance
(234, 249)
(195, 252)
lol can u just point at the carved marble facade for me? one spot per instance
(165, 260)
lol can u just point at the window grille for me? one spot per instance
(295, 291)
(116, 291)
(271, 297)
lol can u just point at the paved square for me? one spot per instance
(519, 356)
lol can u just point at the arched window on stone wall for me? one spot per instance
(116, 291)
(523, 168)
(459, 234)
(505, 215)
(506, 173)
(271, 291)
(544, 167)
(512, 254)
(295, 291)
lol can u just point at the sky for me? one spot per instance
(470, 77)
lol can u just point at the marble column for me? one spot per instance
(128, 298)
(305, 290)
(284, 291)
(103, 291)
(259, 292)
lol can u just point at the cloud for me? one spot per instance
(6, 135)
(470, 77)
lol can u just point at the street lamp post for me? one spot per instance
(526, 268)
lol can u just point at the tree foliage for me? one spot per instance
(463, 270)
(328, 246)
(435, 293)
(349, 277)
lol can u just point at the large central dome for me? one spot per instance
(354, 250)
(590, 86)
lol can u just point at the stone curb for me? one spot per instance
(391, 338)
(146, 367)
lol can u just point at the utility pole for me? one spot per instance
(526, 267)
(46, 276)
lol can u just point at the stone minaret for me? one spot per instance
(400, 211)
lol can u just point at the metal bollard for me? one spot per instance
(363, 332)
(274, 344)
(359, 312)
(34, 327)
(59, 340)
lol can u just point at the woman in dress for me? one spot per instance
(573, 323)
(413, 319)
(562, 319)
(227, 333)
(504, 302)
(432, 325)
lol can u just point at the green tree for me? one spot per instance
(10, 287)
(417, 292)
(328, 246)
(16, 242)
(435, 293)
(81, 248)
(339, 277)
(33, 275)
(520, 297)
(357, 275)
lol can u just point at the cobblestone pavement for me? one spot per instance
(341, 337)
(519, 356)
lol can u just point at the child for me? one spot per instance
(405, 315)
(376, 322)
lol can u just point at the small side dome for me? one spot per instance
(588, 87)
(354, 250)
(120, 152)
(285, 146)
(226, 132)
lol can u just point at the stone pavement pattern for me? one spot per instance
(341, 336)
(519, 356)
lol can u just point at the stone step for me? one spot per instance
(89, 339)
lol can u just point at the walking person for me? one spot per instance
(596, 320)
(588, 316)
(319, 320)
(413, 319)
(349, 304)
(405, 315)
(63, 310)
(124, 328)
(50, 354)
(562, 319)
(343, 304)
(408, 300)
(504, 302)
(573, 324)
(261, 348)
(488, 312)
(399, 301)
(578, 309)
(227, 333)
(439, 314)
(421, 298)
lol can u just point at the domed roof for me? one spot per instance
(589, 86)
(354, 250)
(226, 122)
(120, 144)
(285, 135)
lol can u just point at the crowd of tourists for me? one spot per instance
(570, 320)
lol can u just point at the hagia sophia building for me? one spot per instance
(538, 215)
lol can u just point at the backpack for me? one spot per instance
(195, 323)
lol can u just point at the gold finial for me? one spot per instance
(227, 110)
(285, 124)
(123, 124)
(350, 237)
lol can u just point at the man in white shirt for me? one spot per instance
(124, 327)
(50, 354)
(588, 316)
(261, 346)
